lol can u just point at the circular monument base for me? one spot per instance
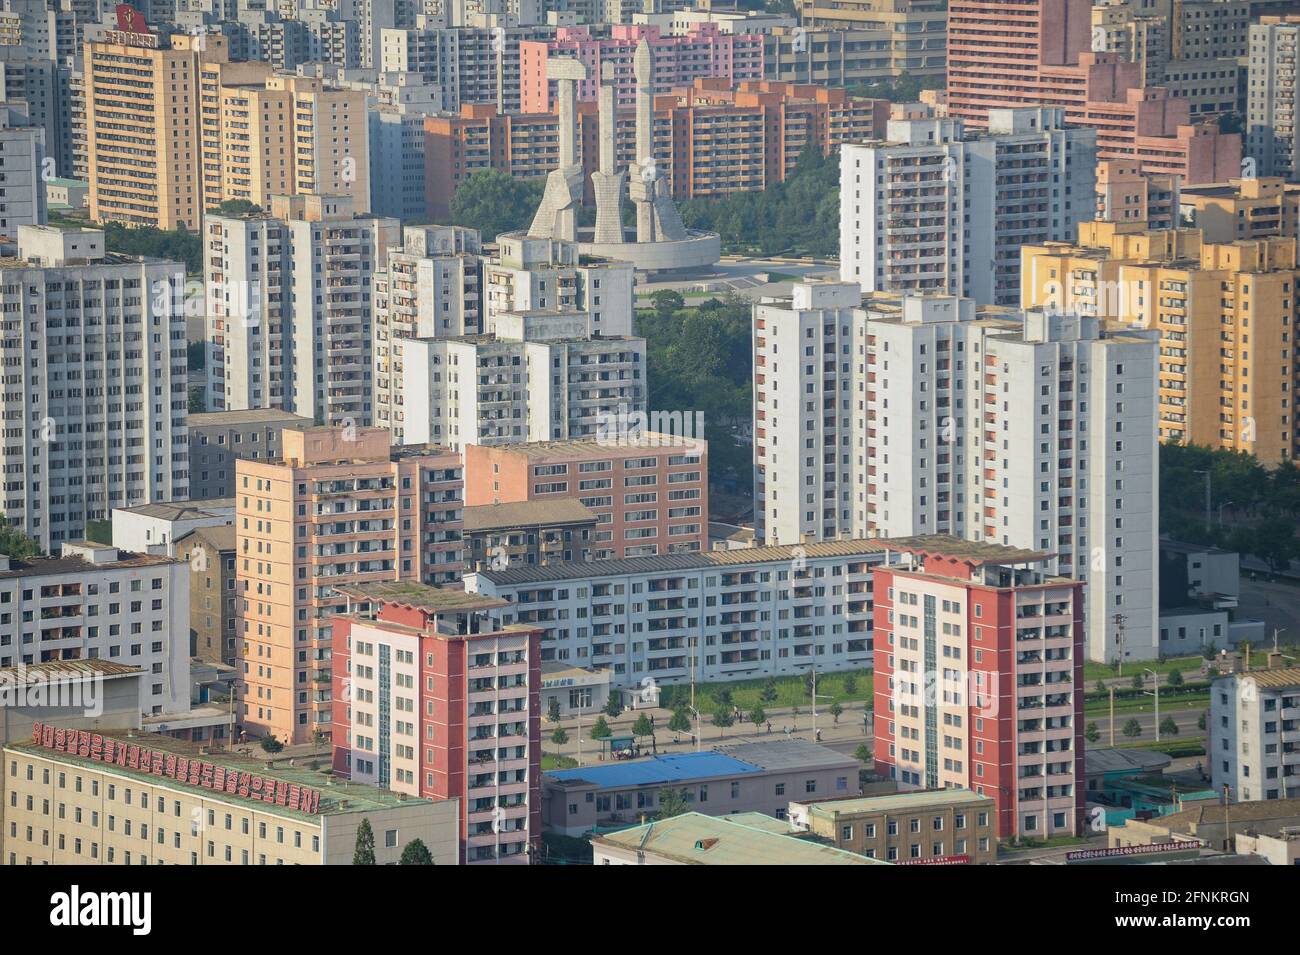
(698, 250)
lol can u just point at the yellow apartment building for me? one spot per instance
(342, 506)
(1224, 313)
(1243, 208)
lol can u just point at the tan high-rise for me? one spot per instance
(1224, 313)
(173, 128)
(342, 507)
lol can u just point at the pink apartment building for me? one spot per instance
(342, 506)
(650, 493)
(704, 51)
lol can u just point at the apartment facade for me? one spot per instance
(210, 553)
(102, 420)
(920, 827)
(1253, 748)
(933, 210)
(78, 797)
(979, 684)
(22, 154)
(543, 375)
(99, 603)
(219, 438)
(341, 507)
(1126, 194)
(1272, 95)
(1256, 208)
(291, 307)
(649, 491)
(434, 700)
(529, 532)
(1223, 314)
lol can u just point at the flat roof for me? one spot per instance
(422, 596)
(182, 510)
(792, 754)
(587, 447)
(668, 768)
(663, 563)
(336, 795)
(1279, 678)
(210, 419)
(50, 566)
(79, 669)
(1106, 760)
(899, 802)
(740, 839)
(519, 513)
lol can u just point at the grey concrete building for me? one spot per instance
(219, 438)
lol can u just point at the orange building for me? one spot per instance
(650, 493)
(712, 139)
(341, 507)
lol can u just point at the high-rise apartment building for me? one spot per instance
(650, 491)
(1242, 209)
(1126, 194)
(979, 682)
(1272, 97)
(1224, 315)
(341, 507)
(434, 698)
(931, 209)
(925, 415)
(433, 288)
(291, 296)
(540, 274)
(95, 343)
(22, 161)
(1253, 747)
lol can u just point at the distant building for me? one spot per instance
(750, 777)
(155, 528)
(1213, 824)
(537, 533)
(57, 694)
(1253, 745)
(218, 438)
(573, 689)
(210, 552)
(923, 827)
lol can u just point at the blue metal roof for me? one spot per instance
(671, 768)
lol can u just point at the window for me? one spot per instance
(390, 838)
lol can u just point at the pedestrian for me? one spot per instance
(769, 726)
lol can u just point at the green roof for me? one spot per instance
(915, 801)
(746, 838)
(425, 597)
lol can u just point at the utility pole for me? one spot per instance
(1119, 620)
(1155, 683)
(1112, 716)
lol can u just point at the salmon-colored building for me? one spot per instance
(341, 507)
(1013, 53)
(650, 493)
(433, 698)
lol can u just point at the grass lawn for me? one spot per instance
(1193, 701)
(1092, 672)
(557, 761)
(1170, 746)
(747, 694)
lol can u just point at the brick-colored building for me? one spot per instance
(650, 493)
(979, 683)
(1012, 53)
(211, 555)
(712, 137)
(341, 507)
(433, 698)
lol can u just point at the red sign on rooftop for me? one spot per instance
(181, 769)
(131, 20)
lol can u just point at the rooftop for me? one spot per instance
(782, 754)
(900, 802)
(420, 596)
(1096, 761)
(63, 670)
(595, 447)
(484, 517)
(220, 419)
(184, 510)
(220, 537)
(931, 544)
(336, 796)
(666, 769)
(1213, 813)
(741, 839)
(1278, 679)
(54, 566)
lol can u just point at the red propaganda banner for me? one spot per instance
(183, 769)
(130, 20)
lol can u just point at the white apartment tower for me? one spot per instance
(22, 179)
(94, 395)
(1254, 734)
(932, 210)
(542, 376)
(291, 307)
(1271, 99)
(927, 415)
(432, 288)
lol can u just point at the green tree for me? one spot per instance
(614, 705)
(1139, 681)
(835, 711)
(1168, 727)
(494, 202)
(271, 744)
(553, 710)
(198, 399)
(236, 207)
(642, 726)
(722, 716)
(601, 730)
(758, 716)
(1200, 722)
(415, 852)
(850, 684)
(176, 245)
(672, 802)
(863, 753)
(14, 543)
(364, 853)
(1175, 678)
(1132, 728)
(196, 355)
(769, 692)
(1091, 733)
(1101, 686)
(680, 722)
(559, 737)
